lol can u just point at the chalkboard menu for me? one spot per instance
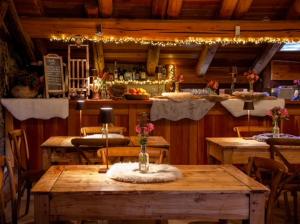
(54, 76)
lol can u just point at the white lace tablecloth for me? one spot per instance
(23, 109)
(261, 107)
(129, 172)
(193, 109)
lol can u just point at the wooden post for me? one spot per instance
(105, 7)
(205, 59)
(152, 59)
(98, 57)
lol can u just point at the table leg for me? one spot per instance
(41, 209)
(257, 208)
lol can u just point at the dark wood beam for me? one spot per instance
(3, 10)
(227, 8)
(39, 7)
(160, 29)
(91, 11)
(265, 57)
(205, 59)
(294, 11)
(174, 8)
(152, 59)
(105, 8)
(242, 8)
(159, 8)
(25, 39)
(98, 57)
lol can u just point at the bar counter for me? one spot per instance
(186, 137)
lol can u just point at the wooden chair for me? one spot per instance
(26, 175)
(6, 171)
(124, 153)
(251, 129)
(87, 145)
(280, 149)
(271, 173)
(98, 130)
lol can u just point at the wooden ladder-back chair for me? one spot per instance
(282, 148)
(121, 153)
(26, 175)
(251, 129)
(98, 130)
(86, 145)
(271, 173)
(6, 172)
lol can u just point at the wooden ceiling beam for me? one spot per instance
(159, 29)
(242, 8)
(227, 8)
(3, 10)
(39, 7)
(25, 39)
(265, 57)
(294, 11)
(159, 8)
(152, 59)
(105, 8)
(206, 58)
(174, 8)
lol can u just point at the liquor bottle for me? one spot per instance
(116, 73)
(143, 75)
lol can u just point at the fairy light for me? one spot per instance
(137, 82)
(176, 42)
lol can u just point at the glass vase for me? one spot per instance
(276, 130)
(177, 87)
(143, 160)
(251, 87)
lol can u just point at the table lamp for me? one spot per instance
(248, 105)
(79, 106)
(106, 117)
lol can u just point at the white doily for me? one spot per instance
(129, 172)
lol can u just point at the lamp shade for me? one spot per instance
(248, 105)
(106, 115)
(79, 104)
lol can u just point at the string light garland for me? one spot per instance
(137, 82)
(176, 42)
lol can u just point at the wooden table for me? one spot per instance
(206, 191)
(59, 149)
(238, 150)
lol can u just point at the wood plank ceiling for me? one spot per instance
(207, 60)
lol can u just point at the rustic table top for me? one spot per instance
(65, 142)
(235, 142)
(196, 179)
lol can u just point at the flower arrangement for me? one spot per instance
(143, 130)
(252, 77)
(212, 86)
(278, 113)
(99, 82)
(179, 78)
(297, 82)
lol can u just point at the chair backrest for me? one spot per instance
(19, 147)
(271, 173)
(251, 129)
(98, 130)
(124, 153)
(277, 147)
(85, 144)
(6, 171)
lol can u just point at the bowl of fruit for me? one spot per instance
(136, 94)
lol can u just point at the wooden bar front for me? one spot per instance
(186, 137)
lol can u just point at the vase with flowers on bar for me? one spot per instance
(277, 114)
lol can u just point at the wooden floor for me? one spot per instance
(279, 217)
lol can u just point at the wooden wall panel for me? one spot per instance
(186, 137)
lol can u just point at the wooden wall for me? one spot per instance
(186, 137)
